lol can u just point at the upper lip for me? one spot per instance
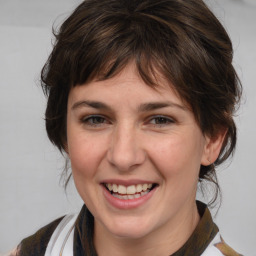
(127, 182)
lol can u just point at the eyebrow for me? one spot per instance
(92, 104)
(145, 107)
(157, 105)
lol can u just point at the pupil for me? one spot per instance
(160, 120)
(98, 119)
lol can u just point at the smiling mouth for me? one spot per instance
(129, 192)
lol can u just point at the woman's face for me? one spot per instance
(135, 154)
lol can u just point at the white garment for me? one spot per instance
(61, 242)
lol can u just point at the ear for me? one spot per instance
(213, 147)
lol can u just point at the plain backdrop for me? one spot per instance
(30, 167)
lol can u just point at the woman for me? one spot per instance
(141, 97)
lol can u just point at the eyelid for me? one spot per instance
(85, 120)
(169, 120)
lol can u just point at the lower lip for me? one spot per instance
(129, 203)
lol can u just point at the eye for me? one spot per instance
(161, 120)
(94, 120)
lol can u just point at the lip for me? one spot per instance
(126, 182)
(126, 204)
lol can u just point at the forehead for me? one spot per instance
(127, 85)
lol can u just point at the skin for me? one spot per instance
(130, 142)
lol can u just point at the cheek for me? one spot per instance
(85, 154)
(178, 156)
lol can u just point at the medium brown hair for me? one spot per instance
(180, 39)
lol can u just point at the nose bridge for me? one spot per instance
(125, 149)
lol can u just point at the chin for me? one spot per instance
(131, 234)
(133, 229)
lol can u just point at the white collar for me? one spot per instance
(61, 242)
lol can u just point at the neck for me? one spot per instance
(166, 240)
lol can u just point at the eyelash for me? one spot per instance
(98, 120)
(90, 120)
(163, 121)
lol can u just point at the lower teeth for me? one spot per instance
(127, 197)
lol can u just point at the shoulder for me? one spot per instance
(218, 247)
(37, 243)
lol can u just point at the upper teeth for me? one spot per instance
(130, 190)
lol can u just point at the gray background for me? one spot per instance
(30, 167)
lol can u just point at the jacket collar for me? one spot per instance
(195, 245)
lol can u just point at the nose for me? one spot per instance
(125, 150)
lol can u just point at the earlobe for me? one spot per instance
(213, 147)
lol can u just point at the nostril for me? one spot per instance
(126, 160)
